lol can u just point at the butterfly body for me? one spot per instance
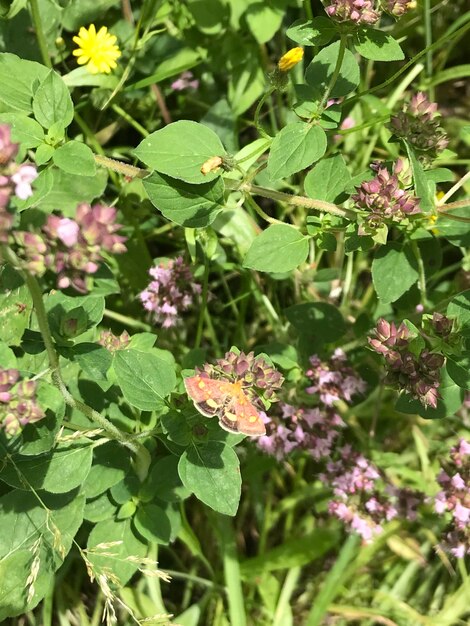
(228, 401)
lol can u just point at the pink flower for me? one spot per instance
(67, 231)
(23, 179)
(185, 81)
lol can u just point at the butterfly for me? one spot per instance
(228, 401)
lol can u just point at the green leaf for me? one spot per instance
(163, 482)
(297, 146)
(263, 20)
(422, 187)
(192, 206)
(458, 369)
(280, 248)
(180, 149)
(15, 311)
(67, 190)
(328, 179)
(318, 320)
(27, 523)
(87, 310)
(75, 157)
(18, 81)
(145, 379)
(110, 531)
(52, 102)
(153, 523)
(316, 32)
(394, 271)
(292, 553)
(376, 45)
(99, 509)
(459, 310)
(58, 471)
(212, 472)
(93, 359)
(320, 71)
(111, 463)
(44, 153)
(24, 130)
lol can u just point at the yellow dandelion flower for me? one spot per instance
(97, 50)
(290, 58)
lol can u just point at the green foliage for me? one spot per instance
(268, 221)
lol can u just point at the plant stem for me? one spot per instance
(422, 274)
(258, 111)
(280, 196)
(205, 291)
(128, 321)
(232, 577)
(428, 43)
(36, 15)
(334, 76)
(121, 168)
(130, 120)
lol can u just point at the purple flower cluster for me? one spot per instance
(334, 380)
(185, 81)
(14, 179)
(419, 374)
(73, 249)
(362, 498)
(312, 429)
(418, 125)
(112, 342)
(171, 292)
(454, 498)
(385, 198)
(18, 404)
(357, 11)
(258, 377)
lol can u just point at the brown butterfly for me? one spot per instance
(228, 401)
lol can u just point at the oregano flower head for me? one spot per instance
(418, 374)
(385, 198)
(357, 11)
(170, 293)
(334, 379)
(418, 125)
(18, 403)
(256, 374)
(454, 498)
(72, 248)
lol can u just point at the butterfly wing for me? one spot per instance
(208, 396)
(240, 416)
(226, 400)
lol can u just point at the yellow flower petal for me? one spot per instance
(96, 49)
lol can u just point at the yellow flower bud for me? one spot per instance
(290, 58)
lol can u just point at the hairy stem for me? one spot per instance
(36, 15)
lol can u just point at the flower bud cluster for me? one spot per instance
(18, 403)
(385, 197)
(73, 249)
(112, 342)
(258, 377)
(170, 293)
(312, 430)
(185, 81)
(334, 379)
(419, 126)
(362, 498)
(419, 374)
(398, 8)
(454, 498)
(357, 11)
